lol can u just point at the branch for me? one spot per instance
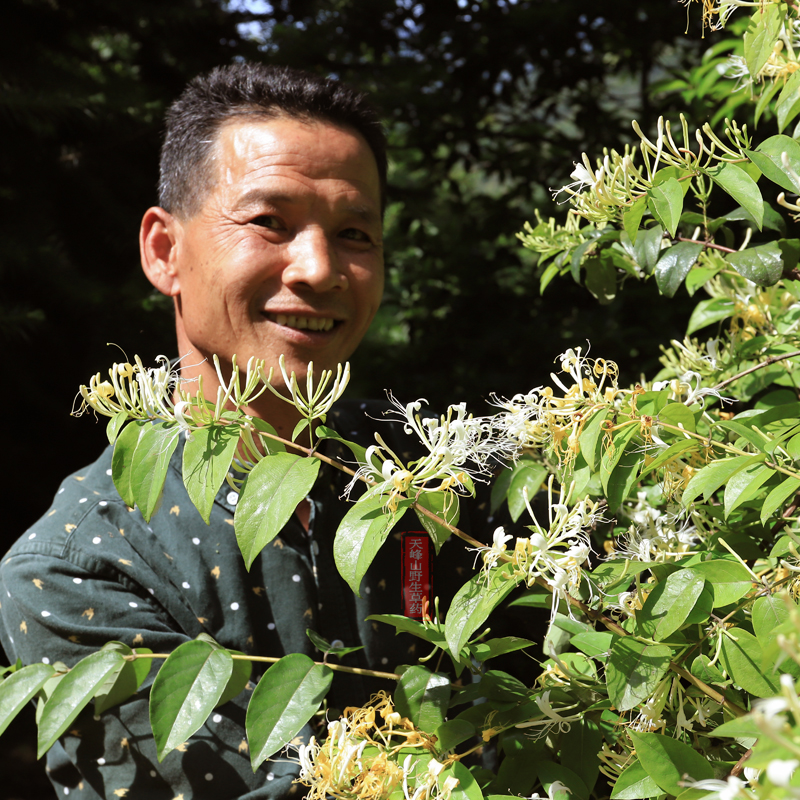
(392, 676)
(767, 362)
(706, 244)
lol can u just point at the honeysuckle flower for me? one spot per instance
(138, 391)
(491, 555)
(730, 789)
(656, 535)
(461, 448)
(313, 405)
(556, 787)
(542, 419)
(552, 719)
(779, 771)
(370, 753)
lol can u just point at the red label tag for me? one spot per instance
(415, 577)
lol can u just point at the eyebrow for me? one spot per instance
(362, 211)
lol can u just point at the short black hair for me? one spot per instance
(252, 90)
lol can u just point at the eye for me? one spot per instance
(355, 235)
(267, 221)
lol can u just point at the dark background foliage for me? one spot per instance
(487, 105)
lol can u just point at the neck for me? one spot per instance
(281, 415)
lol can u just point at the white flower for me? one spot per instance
(721, 790)
(780, 771)
(313, 405)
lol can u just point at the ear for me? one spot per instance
(159, 236)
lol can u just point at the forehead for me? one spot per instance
(300, 155)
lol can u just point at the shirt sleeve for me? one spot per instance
(56, 609)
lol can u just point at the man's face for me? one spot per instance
(285, 256)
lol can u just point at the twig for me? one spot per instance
(738, 768)
(392, 676)
(760, 365)
(707, 690)
(706, 244)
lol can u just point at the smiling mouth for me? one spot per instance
(323, 324)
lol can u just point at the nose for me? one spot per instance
(314, 263)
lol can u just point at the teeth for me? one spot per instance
(303, 323)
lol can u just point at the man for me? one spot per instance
(268, 238)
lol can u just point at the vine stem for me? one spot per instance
(706, 244)
(767, 362)
(392, 676)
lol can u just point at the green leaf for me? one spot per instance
(622, 480)
(745, 485)
(452, 733)
(760, 37)
(596, 644)
(768, 91)
(634, 670)
(699, 276)
(666, 204)
(703, 668)
(473, 603)
(271, 446)
(482, 651)
(284, 700)
(762, 265)
(674, 266)
(591, 439)
(670, 762)
(526, 475)
(648, 248)
(240, 677)
(356, 449)
(361, 534)
(678, 415)
(185, 691)
(19, 688)
(768, 157)
(405, 625)
(634, 783)
(673, 451)
(613, 454)
(601, 279)
(207, 457)
(769, 614)
(324, 646)
(729, 579)
(467, 788)
(669, 603)
(115, 424)
(122, 458)
(150, 462)
(72, 694)
(788, 103)
(299, 428)
(583, 741)
(742, 660)
(550, 772)
(124, 681)
(632, 218)
(738, 728)
(777, 497)
(423, 696)
(517, 774)
(444, 505)
(717, 473)
(741, 187)
(706, 312)
(271, 493)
